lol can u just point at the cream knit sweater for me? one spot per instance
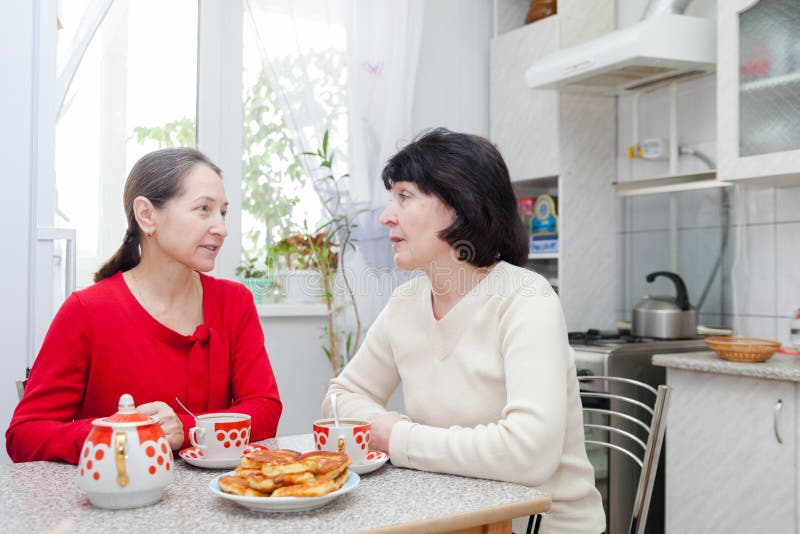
(490, 388)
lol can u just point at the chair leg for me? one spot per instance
(534, 522)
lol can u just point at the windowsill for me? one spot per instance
(292, 309)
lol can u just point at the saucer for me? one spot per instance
(375, 459)
(194, 456)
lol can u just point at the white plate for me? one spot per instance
(375, 459)
(284, 504)
(192, 455)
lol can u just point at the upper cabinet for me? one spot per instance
(523, 123)
(758, 91)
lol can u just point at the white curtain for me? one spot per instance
(302, 45)
(383, 43)
(370, 117)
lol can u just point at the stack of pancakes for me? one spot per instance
(286, 473)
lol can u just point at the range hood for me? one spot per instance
(656, 50)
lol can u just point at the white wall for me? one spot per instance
(294, 345)
(760, 266)
(27, 138)
(452, 84)
(16, 147)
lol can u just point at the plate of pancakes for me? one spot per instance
(283, 480)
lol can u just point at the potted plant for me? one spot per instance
(256, 277)
(324, 250)
(300, 277)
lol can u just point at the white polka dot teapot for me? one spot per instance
(126, 461)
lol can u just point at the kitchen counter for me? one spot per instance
(39, 496)
(779, 367)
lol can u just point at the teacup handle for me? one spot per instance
(196, 433)
(119, 456)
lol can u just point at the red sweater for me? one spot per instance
(102, 343)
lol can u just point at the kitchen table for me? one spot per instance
(39, 496)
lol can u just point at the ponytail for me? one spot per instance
(126, 257)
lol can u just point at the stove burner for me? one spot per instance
(609, 338)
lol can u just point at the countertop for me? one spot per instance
(779, 367)
(38, 496)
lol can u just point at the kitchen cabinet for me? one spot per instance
(563, 145)
(758, 91)
(523, 123)
(726, 471)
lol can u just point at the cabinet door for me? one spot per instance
(523, 123)
(725, 469)
(758, 90)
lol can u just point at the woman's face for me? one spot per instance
(415, 220)
(190, 228)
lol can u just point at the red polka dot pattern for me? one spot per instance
(233, 433)
(362, 439)
(163, 456)
(88, 468)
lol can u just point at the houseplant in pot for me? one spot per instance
(257, 277)
(299, 274)
(328, 246)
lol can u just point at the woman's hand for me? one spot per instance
(170, 423)
(381, 431)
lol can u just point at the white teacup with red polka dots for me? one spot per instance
(221, 436)
(351, 437)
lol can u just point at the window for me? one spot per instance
(295, 62)
(134, 91)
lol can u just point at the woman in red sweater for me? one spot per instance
(152, 325)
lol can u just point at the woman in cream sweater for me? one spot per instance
(479, 343)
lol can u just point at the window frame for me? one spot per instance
(219, 112)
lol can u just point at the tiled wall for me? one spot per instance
(758, 286)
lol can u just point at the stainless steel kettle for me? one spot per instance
(665, 317)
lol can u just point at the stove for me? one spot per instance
(606, 353)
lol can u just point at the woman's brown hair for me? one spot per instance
(157, 176)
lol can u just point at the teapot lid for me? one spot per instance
(126, 413)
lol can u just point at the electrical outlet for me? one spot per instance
(655, 148)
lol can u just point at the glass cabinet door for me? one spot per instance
(769, 77)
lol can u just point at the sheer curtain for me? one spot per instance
(383, 51)
(365, 102)
(302, 45)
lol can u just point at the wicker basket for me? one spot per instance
(743, 349)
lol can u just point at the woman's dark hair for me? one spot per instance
(469, 175)
(157, 176)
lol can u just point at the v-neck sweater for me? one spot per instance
(490, 389)
(103, 343)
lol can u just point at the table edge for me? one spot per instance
(469, 519)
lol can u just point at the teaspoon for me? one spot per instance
(334, 409)
(187, 410)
